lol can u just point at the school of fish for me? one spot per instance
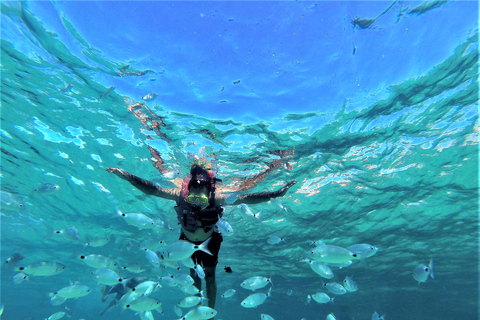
(174, 259)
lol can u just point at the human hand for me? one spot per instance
(120, 173)
(291, 183)
(287, 186)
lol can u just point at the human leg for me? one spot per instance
(211, 286)
(111, 304)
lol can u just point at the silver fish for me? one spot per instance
(56, 316)
(322, 297)
(19, 278)
(255, 299)
(106, 276)
(255, 283)
(336, 288)
(69, 233)
(43, 269)
(73, 291)
(144, 303)
(279, 204)
(275, 240)
(149, 97)
(147, 287)
(134, 268)
(331, 316)
(138, 220)
(14, 258)
(98, 242)
(199, 271)
(98, 261)
(421, 272)
(320, 268)
(228, 293)
(47, 188)
(10, 202)
(183, 279)
(349, 284)
(180, 250)
(201, 312)
(331, 254)
(224, 227)
(248, 212)
(190, 301)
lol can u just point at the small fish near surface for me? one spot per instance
(279, 204)
(47, 188)
(10, 202)
(248, 212)
(149, 97)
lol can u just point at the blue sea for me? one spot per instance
(371, 106)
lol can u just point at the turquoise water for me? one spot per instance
(378, 125)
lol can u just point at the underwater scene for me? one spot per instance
(322, 154)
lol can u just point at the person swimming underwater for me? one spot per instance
(199, 208)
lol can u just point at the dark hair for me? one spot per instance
(200, 177)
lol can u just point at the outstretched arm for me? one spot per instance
(146, 186)
(253, 198)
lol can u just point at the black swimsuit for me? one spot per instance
(192, 218)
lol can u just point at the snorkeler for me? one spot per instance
(198, 210)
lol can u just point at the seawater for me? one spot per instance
(395, 166)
